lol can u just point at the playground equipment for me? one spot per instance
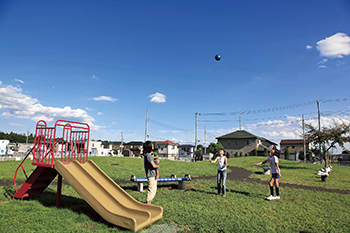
(172, 178)
(267, 170)
(71, 162)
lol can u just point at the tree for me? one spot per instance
(214, 148)
(328, 137)
(286, 154)
(346, 152)
(301, 155)
(17, 138)
(155, 144)
(309, 156)
(199, 152)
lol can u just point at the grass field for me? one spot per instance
(196, 209)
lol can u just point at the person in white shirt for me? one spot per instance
(222, 171)
(275, 172)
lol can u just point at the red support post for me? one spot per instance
(59, 191)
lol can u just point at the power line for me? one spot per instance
(275, 109)
(169, 126)
(259, 119)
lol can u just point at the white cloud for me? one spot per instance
(15, 104)
(322, 66)
(308, 47)
(105, 98)
(337, 45)
(157, 98)
(323, 61)
(99, 113)
(18, 80)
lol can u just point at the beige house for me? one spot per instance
(133, 149)
(243, 142)
(168, 149)
(295, 146)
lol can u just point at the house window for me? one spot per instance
(249, 142)
(228, 142)
(236, 142)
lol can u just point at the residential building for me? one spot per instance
(168, 149)
(242, 142)
(186, 151)
(133, 149)
(113, 146)
(295, 146)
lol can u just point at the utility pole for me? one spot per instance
(240, 123)
(146, 125)
(121, 143)
(27, 138)
(205, 140)
(304, 140)
(195, 136)
(319, 128)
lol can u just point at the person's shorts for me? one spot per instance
(275, 175)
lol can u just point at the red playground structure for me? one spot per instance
(74, 142)
(67, 156)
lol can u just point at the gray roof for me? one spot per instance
(242, 134)
(239, 134)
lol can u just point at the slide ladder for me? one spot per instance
(37, 182)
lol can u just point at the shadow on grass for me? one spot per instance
(78, 205)
(169, 186)
(193, 189)
(9, 192)
(291, 168)
(227, 192)
(114, 164)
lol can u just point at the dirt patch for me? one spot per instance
(241, 174)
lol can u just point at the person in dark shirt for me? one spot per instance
(150, 169)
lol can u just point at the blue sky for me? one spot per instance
(108, 62)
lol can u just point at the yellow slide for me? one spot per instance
(109, 200)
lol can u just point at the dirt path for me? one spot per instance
(241, 174)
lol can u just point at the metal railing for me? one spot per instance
(74, 144)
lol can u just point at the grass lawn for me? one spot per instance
(196, 209)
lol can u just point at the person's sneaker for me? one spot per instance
(270, 198)
(277, 197)
(224, 195)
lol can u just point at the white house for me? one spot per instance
(168, 149)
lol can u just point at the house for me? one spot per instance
(113, 147)
(186, 151)
(133, 149)
(168, 149)
(242, 142)
(295, 146)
